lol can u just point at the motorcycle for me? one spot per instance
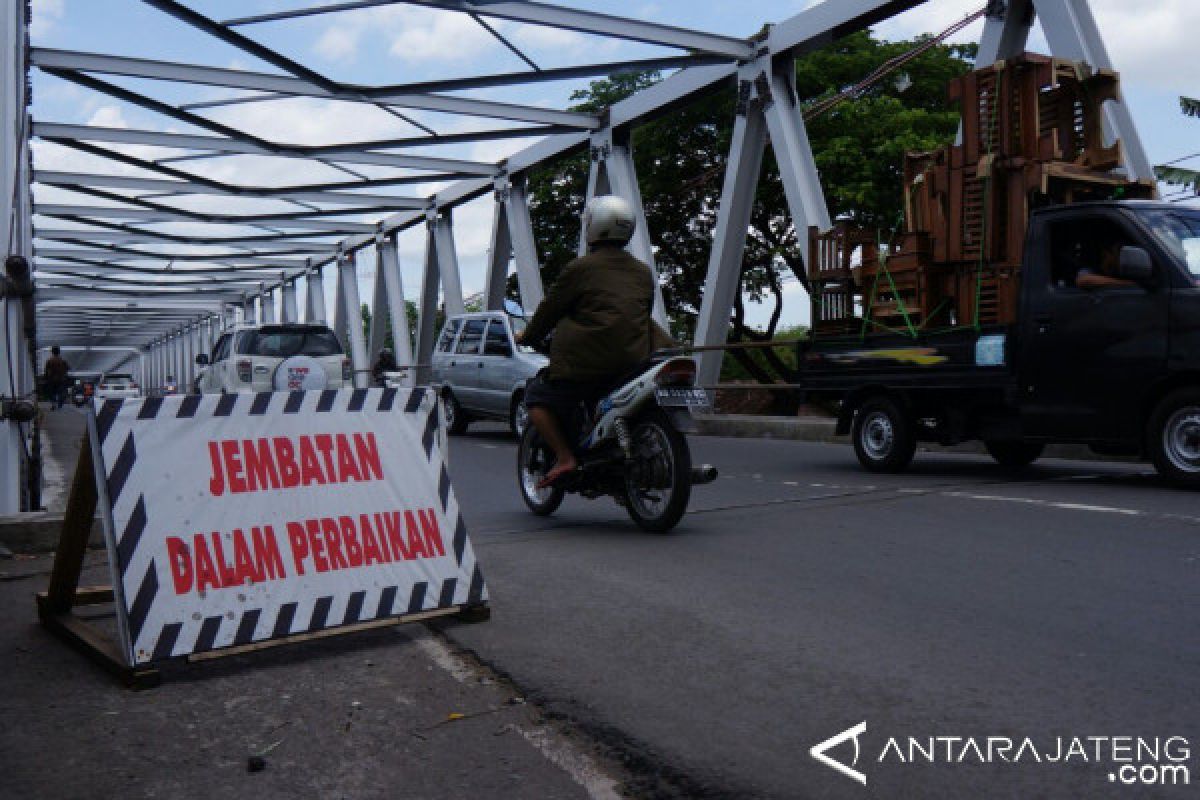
(631, 447)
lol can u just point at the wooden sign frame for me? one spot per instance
(57, 604)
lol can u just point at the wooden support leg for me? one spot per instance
(64, 593)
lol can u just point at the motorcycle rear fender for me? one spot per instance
(682, 420)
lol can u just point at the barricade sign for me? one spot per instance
(239, 519)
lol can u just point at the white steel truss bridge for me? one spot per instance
(143, 256)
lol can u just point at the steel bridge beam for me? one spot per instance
(69, 65)
(217, 144)
(553, 16)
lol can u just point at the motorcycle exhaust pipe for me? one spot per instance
(705, 473)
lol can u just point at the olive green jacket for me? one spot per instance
(599, 310)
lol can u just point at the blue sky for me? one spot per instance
(1149, 42)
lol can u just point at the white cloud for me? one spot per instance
(425, 36)
(1147, 42)
(46, 13)
(107, 117)
(339, 43)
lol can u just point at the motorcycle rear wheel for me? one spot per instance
(659, 483)
(534, 460)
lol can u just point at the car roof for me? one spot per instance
(480, 315)
(254, 326)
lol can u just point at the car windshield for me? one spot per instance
(117, 380)
(1179, 232)
(280, 342)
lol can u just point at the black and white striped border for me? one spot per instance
(120, 454)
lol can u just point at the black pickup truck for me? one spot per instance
(1115, 367)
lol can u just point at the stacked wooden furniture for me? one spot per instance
(1032, 134)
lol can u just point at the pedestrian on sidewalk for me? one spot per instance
(56, 377)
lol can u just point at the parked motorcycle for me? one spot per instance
(631, 448)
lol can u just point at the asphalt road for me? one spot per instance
(802, 596)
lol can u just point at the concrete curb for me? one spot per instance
(38, 532)
(820, 429)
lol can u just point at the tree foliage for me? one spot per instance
(680, 158)
(1181, 176)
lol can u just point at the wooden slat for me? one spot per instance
(76, 530)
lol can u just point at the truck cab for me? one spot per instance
(1104, 351)
(1094, 357)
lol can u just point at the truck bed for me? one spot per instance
(960, 358)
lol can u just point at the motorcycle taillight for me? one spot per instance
(244, 370)
(677, 372)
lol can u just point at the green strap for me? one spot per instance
(885, 272)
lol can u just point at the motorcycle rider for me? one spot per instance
(600, 313)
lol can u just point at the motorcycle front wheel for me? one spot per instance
(658, 484)
(534, 460)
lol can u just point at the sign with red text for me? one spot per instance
(236, 518)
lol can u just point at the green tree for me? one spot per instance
(859, 147)
(1181, 176)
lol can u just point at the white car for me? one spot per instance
(116, 384)
(275, 357)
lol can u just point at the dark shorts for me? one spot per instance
(562, 397)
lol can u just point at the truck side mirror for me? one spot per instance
(202, 359)
(1135, 264)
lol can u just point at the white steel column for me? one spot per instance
(729, 238)
(377, 334)
(447, 262)
(339, 324)
(797, 168)
(500, 251)
(267, 300)
(315, 297)
(353, 313)
(209, 333)
(389, 266)
(291, 311)
(1005, 34)
(248, 315)
(188, 338)
(427, 312)
(16, 377)
(393, 282)
(1071, 31)
(512, 237)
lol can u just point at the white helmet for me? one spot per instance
(608, 218)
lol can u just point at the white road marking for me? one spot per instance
(579, 765)
(1048, 503)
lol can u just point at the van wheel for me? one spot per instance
(452, 412)
(518, 415)
(1014, 453)
(883, 436)
(1173, 437)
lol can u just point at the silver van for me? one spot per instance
(481, 371)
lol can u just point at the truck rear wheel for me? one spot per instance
(1014, 453)
(1173, 437)
(883, 435)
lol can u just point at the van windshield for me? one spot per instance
(1179, 232)
(283, 342)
